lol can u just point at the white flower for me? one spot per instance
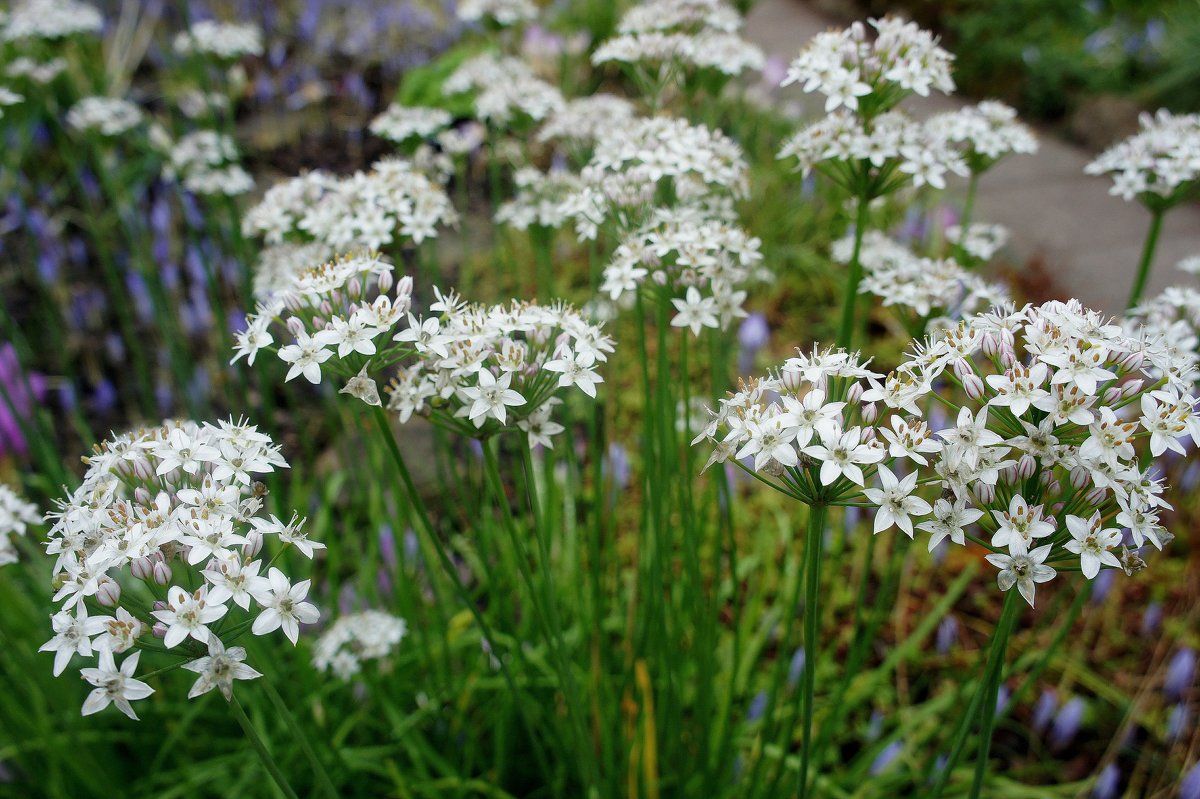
(576, 369)
(770, 439)
(1024, 571)
(1092, 543)
(283, 606)
(219, 668)
(950, 519)
(114, 686)
(306, 357)
(188, 615)
(895, 501)
(695, 311)
(72, 635)
(490, 398)
(1020, 525)
(842, 454)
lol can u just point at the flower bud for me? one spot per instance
(141, 495)
(986, 494)
(253, 545)
(142, 568)
(1095, 497)
(973, 386)
(159, 604)
(159, 629)
(109, 593)
(386, 279)
(1080, 477)
(1054, 487)
(1009, 474)
(354, 287)
(1026, 466)
(142, 470)
(1111, 395)
(1133, 361)
(1008, 358)
(404, 286)
(162, 573)
(1057, 508)
(868, 434)
(989, 345)
(962, 368)
(1132, 388)
(855, 393)
(295, 326)
(870, 413)
(790, 379)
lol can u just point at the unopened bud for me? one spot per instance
(1026, 466)
(162, 573)
(141, 495)
(1053, 487)
(870, 413)
(986, 494)
(159, 629)
(159, 604)
(962, 368)
(1096, 496)
(141, 568)
(1133, 361)
(1009, 474)
(989, 345)
(354, 287)
(790, 379)
(253, 545)
(1132, 388)
(855, 393)
(1111, 395)
(868, 434)
(295, 326)
(404, 286)
(1080, 477)
(385, 281)
(142, 470)
(973, 386)
(1008, 358)
(109, 593)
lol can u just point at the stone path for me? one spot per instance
(1089, 240)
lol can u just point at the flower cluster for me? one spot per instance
(399, 123)
(851, 70)
(698, 34)
(1171, 321)
(981, 241)
(1040, 466)
(884, 152)
(686, 250)
(931, 287)
(655, 162)
(985, 133)
(8, 97)
(15, 517)
(352, 640)
(503, 12)
(504, 87)
(206, 162)
(159, 509)
(37, 72)
(541, 199)
(224, 40)
(49, 19)
(363, 210)
(1159, 164)
(581, 121)
(110, 116)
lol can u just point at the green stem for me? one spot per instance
(1143, 273)
(814, 538)
(298, 734)
(854, 275)
(261, 748)
(1007, 619)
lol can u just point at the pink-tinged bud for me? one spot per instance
(1007, 339)
(162, 573)
(142, 568)
(385, 281)
(973, 386)
(159, 604)
(1133, 361)
(791, 380)
(989, 345)
(295, 326)
(109, 593)
(1057, 508)
(142, 470)
(1009, 474)
(962, 368)
(1054, 487)
(404, 286)
(659, 277)
(1080, 477)
(159, 629)
(253, 545)
(986, 494)
(855, 393)
(293, 302)
(1047, 476)
(142, 496)
(1026, 466)
(1132, 388)
(1096, 496)
(870, 413)
(868, 434)
(354, 287)
(1111, 395)
(1008, 358)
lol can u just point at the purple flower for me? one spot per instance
(1108, 783)
(758, 706)
(1189, 788)
(1151, 618)
(947, 634)
(1043, 711)
(20, 392)
(1066, 723)
(886, 757)
(1177, 723)
(1102, 585)
(795, 668)
(387, 545)
(1181, 673)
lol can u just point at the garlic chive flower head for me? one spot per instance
(158, 509)
(985, 133)
(673, 36)
(685, 252)
(206, 162)
(353, 640)
(542, 199)
(15, 517)
(226, 41)
(1170, 322)
(980, 241)
(502, 12)
(870, 74)
(581, 121)
(108, 116)
(366, 210)
(1157, 166)
(49, 19)
(400, 123)
(504, 88)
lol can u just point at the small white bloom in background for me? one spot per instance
(218, 669)
(109, 116)
(113, 685)
(503, 12)
(1092, 542)
(15, 517)
(355, 639)
(399, 123)
(896, 502)
(1024, 571)
(283, 606)
(1158, 165)
(224, 40)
